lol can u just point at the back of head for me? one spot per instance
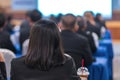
(35, 15)
(2, 20)
(82, 24)
(98, 17)
(68, 21)
(45, 48)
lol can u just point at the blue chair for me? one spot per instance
(101, 52)
(99, 70)
(108, 44)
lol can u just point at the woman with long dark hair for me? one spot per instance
(45, 59)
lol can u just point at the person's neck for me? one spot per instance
(72, 30)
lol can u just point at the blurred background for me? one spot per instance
(110, 10)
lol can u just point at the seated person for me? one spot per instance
(89, 35)
(5, 41)
(91, 24)
(74, 44)
(3, 75)
(45, 59)
(99, 19)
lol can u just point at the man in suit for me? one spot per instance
(91, 24)
(88, 34)
(74, 44)
(5, 41)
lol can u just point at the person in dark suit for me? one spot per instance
(31, 18)
(74, 44)
(91, 24)
(99, 19)
(45, 59)
(82, 31)
(3, 75)
(5, 41)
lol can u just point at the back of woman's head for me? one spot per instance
(45, 50)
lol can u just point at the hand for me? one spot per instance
(1, 58)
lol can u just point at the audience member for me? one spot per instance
(5, 41)
(9, 27)
(45, 59)
(3, 75)
(53, 18)
(91, 24)
(89, 35)
(99, 19)
(32, 17)
(74, 44)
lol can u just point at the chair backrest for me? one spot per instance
(25, 47)
(8, 55)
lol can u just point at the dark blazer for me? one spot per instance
(24, 32)
(19, 71)
(5, 41)
(94, 28)
(90, 38)
(77, 46)
(3, 70)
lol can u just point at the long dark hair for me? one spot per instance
(45, 47)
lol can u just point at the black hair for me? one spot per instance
(97, 17)
(82, 24)
(2, 20)
(45, 47)
(34, 15)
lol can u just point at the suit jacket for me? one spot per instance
(19, 71)
(77, 46)
(90, 38)
(94, 28)
(3, 70)
(5, 41)
(24, 32)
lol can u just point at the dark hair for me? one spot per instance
(97, 17)
(45, 47)
(81, 23)
(68, 21)
(2, 20)
(34, 15)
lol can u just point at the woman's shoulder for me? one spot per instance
(18, 60)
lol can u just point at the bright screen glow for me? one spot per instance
(77, 7)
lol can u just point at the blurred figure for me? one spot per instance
(79, 18)
(53, 18)
(3, 75)
(74, 44)
(45, 59)
(99, 19)
(5, 41)
(91, 24)
(32, 17)
(59, 16)
(9, 26)
(89, 35)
